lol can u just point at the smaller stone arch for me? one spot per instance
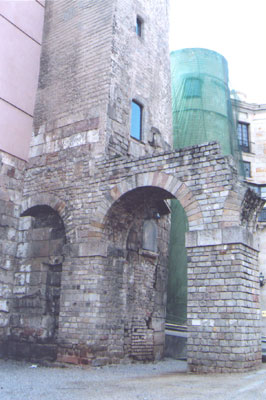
(241, 207)
(37, 279)
(47, 199)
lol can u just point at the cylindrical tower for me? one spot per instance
(201, 99)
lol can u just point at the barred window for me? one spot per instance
(243, 136)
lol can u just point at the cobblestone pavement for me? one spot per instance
(167, 380)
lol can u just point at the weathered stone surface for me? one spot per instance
(80, 274)
(11, 184)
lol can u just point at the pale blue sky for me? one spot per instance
(234, 28)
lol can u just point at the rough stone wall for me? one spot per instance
(143, 265)
(74, 80)
(12, 173)
(107, 310)
(92, 65)
(95, 322)
(37, 285)
(141, 71)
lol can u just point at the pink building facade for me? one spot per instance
(21, 23)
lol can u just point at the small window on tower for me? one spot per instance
(136, 120)
(243, 136)
(139, 23)
(192, 87)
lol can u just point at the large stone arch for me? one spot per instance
(120, 266)
(168, 182)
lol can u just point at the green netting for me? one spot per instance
(202, 112)
(176, 310)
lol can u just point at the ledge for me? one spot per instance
(229, 235)
(148, 253)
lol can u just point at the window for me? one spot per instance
(247, 169)
(150, 233)
(262, 215)
(243, 136)
(192, 87)
(136, 120)
(139, 23)
(263, 192)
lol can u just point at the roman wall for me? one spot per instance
(113, 289)
(21, 32)
(91, 254)
(11, 185)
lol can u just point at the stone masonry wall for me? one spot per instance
(92, 65)
(74, 80)
(223, 307)
(91, 326)
(102, 185)
(33, 327)
(141, 71)
(12, 174)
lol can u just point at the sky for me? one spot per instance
(234, 28)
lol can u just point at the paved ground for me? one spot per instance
(166, 380)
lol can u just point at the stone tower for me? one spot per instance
(97, 57)
(100, 59)
(89, 282)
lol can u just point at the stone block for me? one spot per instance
(191, 239)
(94, 247)
(23, 250)
(4, 305)
(209, 237)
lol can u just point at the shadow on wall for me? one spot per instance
(138, 233)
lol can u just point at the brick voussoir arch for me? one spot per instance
(44, 199)
(167, 182)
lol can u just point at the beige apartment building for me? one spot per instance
(252, 141)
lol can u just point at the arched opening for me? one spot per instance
(137, 228)
(37, 284)
(176, 307)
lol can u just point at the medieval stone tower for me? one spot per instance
(89, 276)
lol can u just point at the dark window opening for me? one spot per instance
(139, 23)
(136, 120)
(243, 136)
(247, 169)
(192, 87)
